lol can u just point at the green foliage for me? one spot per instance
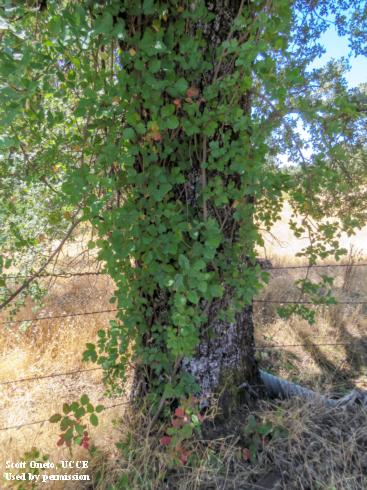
(33, 455)
(257, 433)
(316, 293)
(73, 430)
(184, 422)
(167, 134)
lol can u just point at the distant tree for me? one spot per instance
(164, 124)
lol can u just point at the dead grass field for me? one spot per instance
(333, 369)
(55, 346)
(52, 346)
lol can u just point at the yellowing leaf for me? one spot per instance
(156, 25)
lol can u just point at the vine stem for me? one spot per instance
(224, 52)
(163, 398)
(203, 178)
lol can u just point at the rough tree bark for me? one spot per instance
(226, 358)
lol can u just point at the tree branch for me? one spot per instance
(41, 269)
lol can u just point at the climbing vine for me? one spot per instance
(162, 122)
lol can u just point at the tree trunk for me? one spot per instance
(225, 356)
(225, 360)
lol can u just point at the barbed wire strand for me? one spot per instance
(35, 422)
(96, 273)
(96, 312)
(315, 266)
(54, 375)
(281, 346)
(281, 302)
(112, 310)
(268, 347)
(66, 275)
(72, 373)
(87, 273)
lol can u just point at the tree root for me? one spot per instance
(280, 388)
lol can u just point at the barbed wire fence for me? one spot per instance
(76, 372)
(39, 422)
(67, 275)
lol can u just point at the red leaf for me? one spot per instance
(165, 440)
(177, 103)
(60, 442)
(184, 455)
(85, 444)
(156, 136)
(176, 422)
(179, 412)
(246, 454)
(194, 401)
(192, 91)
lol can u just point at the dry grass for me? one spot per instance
(323, 449)
(280, 242)
(53, 346)
(319, 448)
(331, 368)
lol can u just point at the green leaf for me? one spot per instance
(104, 23)
(93, 419)
(68, 434)
(80, 429)
(168, 110)
(78, 439)
(99, 408)
(80, 412)
(179, 88)
(55, 418)
(66, 408)
(193, 297)
(216, 291)
(148, 7)
(65, 423)
(265, 428)
(183, 262)
(90, 408)
(154, 66)
(84, 399)
(74, 406)
(128, 133)
(172, 122)
(199, 265)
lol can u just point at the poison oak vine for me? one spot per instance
(165, 120)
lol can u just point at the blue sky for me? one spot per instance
(335, 48)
